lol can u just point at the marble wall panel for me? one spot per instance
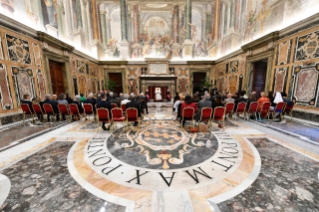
(307, 47)
(93, 71)
(41, 84)
(73, 64)
(94, 86)
(23, 83)
(82, 84)
(37, 55)
(183, 85)
(1, 50)
(131, 72)
(283, 52)
(242, 63)
(233, 66)
(233, 84)
(5, 94)
(18, 50)
(183, 72)
(88, 86)
(280, 79)
(220, 83)
(306, 85)
(81, 67)
(132, 86)
(75, 85)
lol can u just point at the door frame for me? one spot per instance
(60, 59)
(121, 71)
(191, 77)
(269, 56)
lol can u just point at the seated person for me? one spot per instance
(134, 104)
(204, 103)
(68, 98)
(114, 100)
(188, 103)
(143, 100)
(262, 100)
(229, 99)
(218, 102)
(240, 99)
(37, 101)
(252, 98)
(177, 104)
(91, 100)
(62, 100)
(126, 100)
(104, 104)
(77, 101)
(26, 100)
(53, 104)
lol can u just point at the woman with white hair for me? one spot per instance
(77, 101)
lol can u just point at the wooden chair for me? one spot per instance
(188, 115)
(230, 109)
(74, 110)
(64, 110)
(132, 116)
(49, 111)
(88, 109)
(103, 115)
(252, 110)
(219, 115)
(27, 111)
(264, 110)
(288, 109)
(278, 109)
(241, 108)
(206, 115)
(117, 115)
(38, 111)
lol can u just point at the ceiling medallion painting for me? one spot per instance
(156, 5)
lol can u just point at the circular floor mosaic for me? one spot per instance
(162, 156)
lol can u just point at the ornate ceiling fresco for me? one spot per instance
(133, 30)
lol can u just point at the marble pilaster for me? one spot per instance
(176, 23)
(95, 22)
(226, 19)
(232, 14)
(188, 19)
(136, 23)
(60, 22)
(237, 18)
(123, 20)
(79, 14)
(103, 25)
(85, 16)
(108, 28)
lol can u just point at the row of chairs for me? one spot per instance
(73, 110)
(219, 113)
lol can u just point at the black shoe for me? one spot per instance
(104, 128)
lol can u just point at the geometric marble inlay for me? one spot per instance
(306, 84)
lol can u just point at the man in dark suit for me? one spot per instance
(53, 104)
(206, 102)
(91, 100)
(114, 100)
(104, 104)
(143, 100)
(134, 104)
(240, 99)
(26, 100)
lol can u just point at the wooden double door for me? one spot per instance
(57, 78)
(259, 77)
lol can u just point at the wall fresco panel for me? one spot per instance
(5, 94)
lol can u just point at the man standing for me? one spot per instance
(134, 104)
(143, 99)
(104, 104)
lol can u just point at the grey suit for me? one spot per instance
(201, 105)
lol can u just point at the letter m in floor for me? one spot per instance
(195, 172)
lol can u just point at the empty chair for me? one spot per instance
(123, 106)
(264, 110)
(230, 108)
(241, 108)
(103, 115)
(132, 116)
(206, 115)
(49, 111)
(88, 109)
(288, 109)
(219, 115)
(27, 111)
(64, 110)
(278, 109)
(188, 114)
(252, 110)
(74, 110)
(117, 115)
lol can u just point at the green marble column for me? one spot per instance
(79, 14)
(232, 13)
(104, 31)
(188, 19)
(123, 19)
(208, 23)
(40, 13)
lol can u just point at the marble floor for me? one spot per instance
(160, 167)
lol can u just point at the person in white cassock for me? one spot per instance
(158, 94)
